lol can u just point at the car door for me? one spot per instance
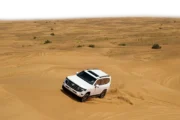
(97, 89)
(100, 88)
(103, 85)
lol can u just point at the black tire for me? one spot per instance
(84, 98)
(103, 94)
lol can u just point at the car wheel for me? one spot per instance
(102, 94)
(85, 97)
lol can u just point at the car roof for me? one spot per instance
(97, 73)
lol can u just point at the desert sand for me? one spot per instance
(145, 82)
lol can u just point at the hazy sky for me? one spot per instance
(83, 12)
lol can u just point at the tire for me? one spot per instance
(84, 98)
(103, 94)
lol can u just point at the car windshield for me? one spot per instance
(86, 77)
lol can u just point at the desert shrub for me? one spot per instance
(122, 44)
(156, 46)
(52, 34)
(47, 41)
(80, 46)
(52, 29)
(34, 37)
(91, 45)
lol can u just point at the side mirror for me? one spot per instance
(96, 86)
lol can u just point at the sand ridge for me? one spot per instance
(145, 82)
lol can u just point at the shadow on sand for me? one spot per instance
(70, 95)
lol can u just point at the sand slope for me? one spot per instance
(145, 82)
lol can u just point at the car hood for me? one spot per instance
(80, 82)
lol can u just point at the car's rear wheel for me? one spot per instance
(85, 97)
(102, 94)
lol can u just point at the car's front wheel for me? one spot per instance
(85, 97)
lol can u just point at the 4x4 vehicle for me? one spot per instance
(88, 83)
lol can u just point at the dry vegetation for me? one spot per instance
(145, 82)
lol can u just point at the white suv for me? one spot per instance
(87, 83)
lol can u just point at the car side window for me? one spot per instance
(102, 82)
(98, 82)
(106, 80)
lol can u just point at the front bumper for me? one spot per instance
(79, 94)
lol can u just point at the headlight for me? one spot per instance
(66, 80)
(81, 89)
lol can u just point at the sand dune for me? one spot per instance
(145, 82)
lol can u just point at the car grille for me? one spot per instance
(72, 85)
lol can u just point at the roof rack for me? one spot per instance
(93, 73)
(104, 76)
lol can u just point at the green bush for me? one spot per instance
(52, 34)
(122, 44)
(80, 46)
(91, 45)
(156, 46)
(47, 41)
